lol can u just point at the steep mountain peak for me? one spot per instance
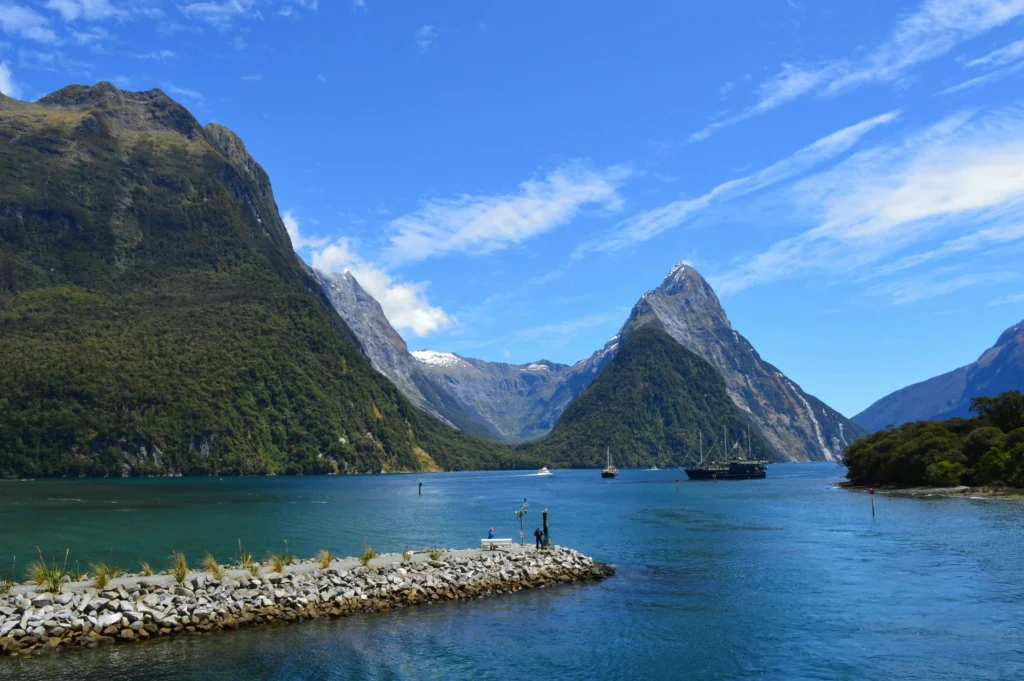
(1013, 334)
(149, 111)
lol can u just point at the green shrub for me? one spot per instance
(944, 474)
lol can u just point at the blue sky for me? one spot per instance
(507, 178)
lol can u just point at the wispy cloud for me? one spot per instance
(193, 96)
(932, 30)
(7, 84)
(484, 224)
(964, 173)
(1003, 62)
(219, 14)
(937, 283)
(89, 10)
(561, 332)
(1007, 300)
(404, 303)
(650, 223)
(425, 37)
(291, 224)
(25, 22)
(158, 55)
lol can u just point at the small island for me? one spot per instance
(982, 455)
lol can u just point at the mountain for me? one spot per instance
(154, 317)
(389, 355)
(800, 426)
(520, 401)
(649, 406)
(998, 370)
(523, 402)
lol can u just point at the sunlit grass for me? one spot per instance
(179, 566)
(324, 558)
(50, 576)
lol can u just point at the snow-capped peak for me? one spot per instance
(439, 359)
(538, 367)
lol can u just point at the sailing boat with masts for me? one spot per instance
(609, 471)
(727, 469)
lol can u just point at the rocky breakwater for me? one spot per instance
(138, 608)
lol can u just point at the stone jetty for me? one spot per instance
(137, 608)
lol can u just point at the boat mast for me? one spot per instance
(700, 435)
(725, 439)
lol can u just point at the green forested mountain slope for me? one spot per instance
(648, 406)
(153, 317)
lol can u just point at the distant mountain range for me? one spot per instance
(999, 369)
(155, 319)
(522, 402)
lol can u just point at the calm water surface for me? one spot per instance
(784, 578)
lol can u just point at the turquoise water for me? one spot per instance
(784, 578)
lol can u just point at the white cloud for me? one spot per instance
(1004, 55)
(1004, 62)
(359, 5)
(506, 353)
(193, 96)
(159, 55)
(90, 10)
(1007, 300)
(935, 28)
(26, 23)
(483, 224)
(219, 14)
(650, 223)
(90, 35)
(562, 332)
(935, 284)
(404, 303)
(291, 223)
(963, 173)
(425, 37)
(7, 84)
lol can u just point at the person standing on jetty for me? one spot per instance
(539, 535)
(421, 489)
(490, 533)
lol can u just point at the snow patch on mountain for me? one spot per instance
(439, 359)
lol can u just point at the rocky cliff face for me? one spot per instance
(798, 425)
(1000, 368)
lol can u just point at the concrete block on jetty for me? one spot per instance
(137, 608)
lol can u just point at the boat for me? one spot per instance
(730, 469)
(544, 471)
(654, 468)
(609, 471)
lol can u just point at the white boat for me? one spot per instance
(544, 471)
(654, 468)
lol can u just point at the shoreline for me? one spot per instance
(960, 491)
(136, 608)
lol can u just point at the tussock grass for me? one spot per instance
(324, 558)
(50, 576)
(145, 569)
(277, 562)
(406, 556)
(213, 567)
(7, 581)
(435, 554)
(245, 561)
(367, 555)
(254, 569)
(179, 566)
(288, 556)
(78, 574)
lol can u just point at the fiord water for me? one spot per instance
(783, 578)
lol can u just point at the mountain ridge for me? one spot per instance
(998, 369)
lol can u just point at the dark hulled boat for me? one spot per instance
(741, 469)
(609, 471)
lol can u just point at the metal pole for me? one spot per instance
(547, 540)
